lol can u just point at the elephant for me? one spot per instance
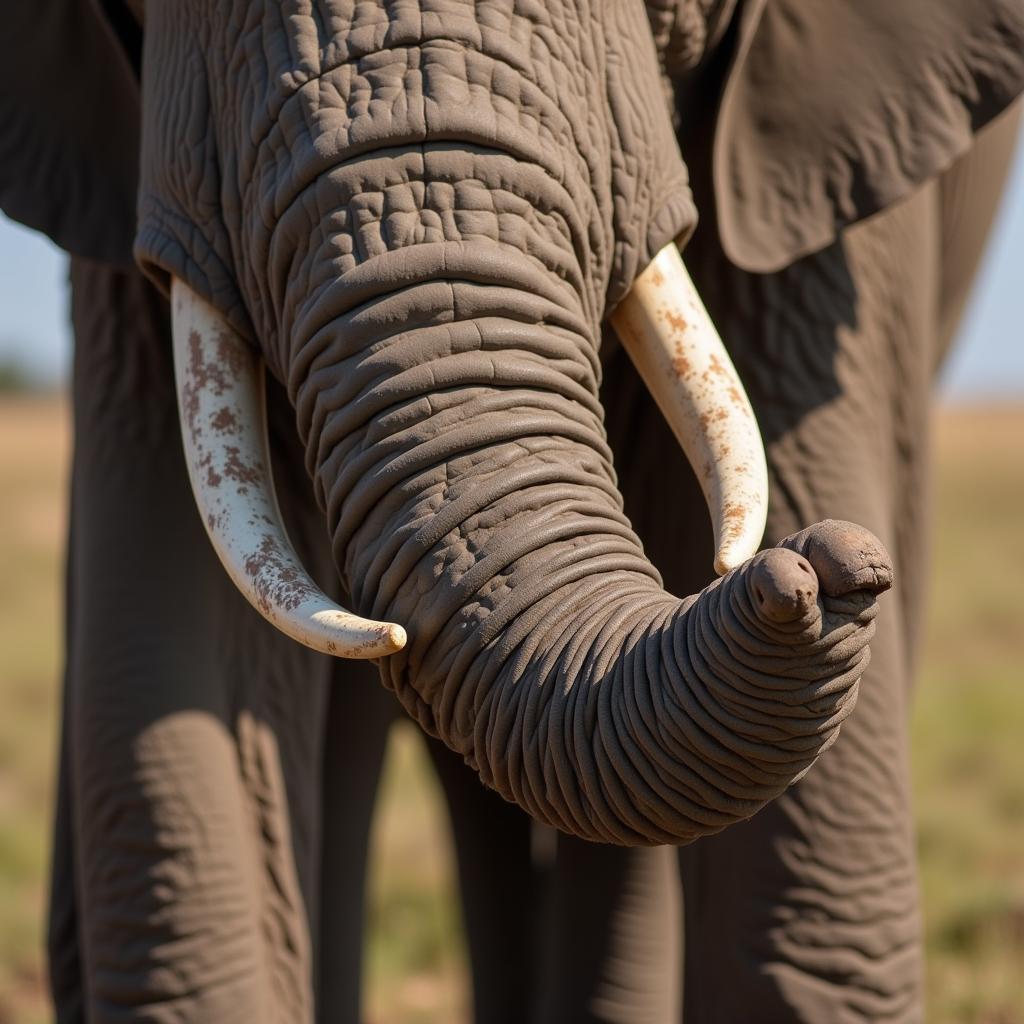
(424, 218)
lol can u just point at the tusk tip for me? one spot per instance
(724, 565)
(730, 557)
(343, 636)
(395, 637)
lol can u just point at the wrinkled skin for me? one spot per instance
(426, 266)
(318, 338)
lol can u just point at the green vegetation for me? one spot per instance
(415, 965)
(968, 746)
(968, 726)
(17, 378)
(33, 457)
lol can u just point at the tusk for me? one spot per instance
(669, 336)
(223, 426)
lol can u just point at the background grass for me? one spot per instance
(968, 743)
(968, 724)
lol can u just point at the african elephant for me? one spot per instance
(421, 217)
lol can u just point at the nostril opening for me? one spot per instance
(758, 595)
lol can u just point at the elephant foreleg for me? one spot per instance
(810, 911)
(193, 759)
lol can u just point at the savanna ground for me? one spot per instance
(968, 745)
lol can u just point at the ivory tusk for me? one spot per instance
(223, 425)
(676, 349)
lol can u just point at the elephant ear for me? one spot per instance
(833, 110)
(69, 124)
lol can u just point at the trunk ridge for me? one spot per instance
(460, 455)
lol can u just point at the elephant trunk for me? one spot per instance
(456, 443)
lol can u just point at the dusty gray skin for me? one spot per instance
(729, 932)
(429, 279)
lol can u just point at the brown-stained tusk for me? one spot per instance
(675, 347)
(223, 427)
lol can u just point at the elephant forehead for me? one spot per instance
(541, 126)
(418, 198)
(432, 91)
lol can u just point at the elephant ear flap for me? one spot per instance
(69, 124)
(833, 110)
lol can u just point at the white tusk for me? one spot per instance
(223, 426)
(669, 336)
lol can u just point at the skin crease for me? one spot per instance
(231, 718)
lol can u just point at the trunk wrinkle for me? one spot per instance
(470, 494)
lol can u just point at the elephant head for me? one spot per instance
(419, 216)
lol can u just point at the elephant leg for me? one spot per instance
(193, 740)
(499, 884)
(610, 935)
(63, 954)
(359, 717)
(500, 888)
(809, 911)
(558, 928)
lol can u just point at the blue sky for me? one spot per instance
(987, 364)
